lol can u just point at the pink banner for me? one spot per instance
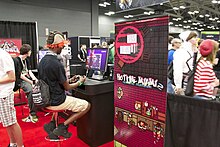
(12, 46)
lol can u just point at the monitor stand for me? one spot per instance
(97, 75)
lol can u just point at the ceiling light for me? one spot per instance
(175, 8)
(182, 7)
(207, 15)
(214, 1)
(191, 13)
(151, 12)
(185, 21)
(170, 23)
(102, 5)
(201, 16)
(107, 14)
(194, 24)
(107, 3)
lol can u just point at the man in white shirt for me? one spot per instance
(183, 60)
(7, 109)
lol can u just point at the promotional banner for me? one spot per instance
(12, 46)
(129, 4)
(140, 82)
(210, 35)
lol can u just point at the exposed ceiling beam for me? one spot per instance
(202, 6)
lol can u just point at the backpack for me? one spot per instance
(18, 69)
(170, 71)
(41, 94)
(190, 78)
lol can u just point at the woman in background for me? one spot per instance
(205, 80)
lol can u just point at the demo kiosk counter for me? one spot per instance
(96, 127)
(192, 122)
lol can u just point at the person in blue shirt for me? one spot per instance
(176, 43)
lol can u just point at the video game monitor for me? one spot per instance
(97, 61)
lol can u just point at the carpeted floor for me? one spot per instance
(34, 135)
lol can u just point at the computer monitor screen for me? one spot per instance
(97, 58)
(41, 54)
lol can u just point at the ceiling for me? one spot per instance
(188, 14)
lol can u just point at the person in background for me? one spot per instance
(183, 60)
(53, 73)
(205, 80)
(111, 53)
(104, 44)
(82, 54)
(176, 43)
(28, 79)
(7, 109)
(170, 38)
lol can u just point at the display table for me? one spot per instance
(192, 122)
(96, 127)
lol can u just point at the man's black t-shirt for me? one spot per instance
(53, 73)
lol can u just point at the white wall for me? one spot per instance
(76, 20)
(106, 25)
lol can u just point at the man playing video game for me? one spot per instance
(53, 73)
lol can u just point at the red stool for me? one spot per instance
(55, 116)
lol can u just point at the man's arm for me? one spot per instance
(32, 75)
(10, 77)
(68, 86)
(23, 77)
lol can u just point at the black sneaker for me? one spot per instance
(49, 127)
(62, 130)
(53, 137)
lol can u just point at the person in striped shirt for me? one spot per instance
(204, 79)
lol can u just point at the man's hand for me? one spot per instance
(179, 91)
(74, 79)
(82, 79)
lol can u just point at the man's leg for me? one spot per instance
(27, 88)
(14, 132)
(78, 106)
(77, 115)
(11, 136)
(8, 112)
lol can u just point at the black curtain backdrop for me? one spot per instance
(192, 122)
(24, 30)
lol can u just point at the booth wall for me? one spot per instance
(75, 17)
(106, 25)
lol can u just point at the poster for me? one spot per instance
(12, 46)
(122, 5)
(140, 82)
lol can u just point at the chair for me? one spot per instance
(55, 116)
(19, 99)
